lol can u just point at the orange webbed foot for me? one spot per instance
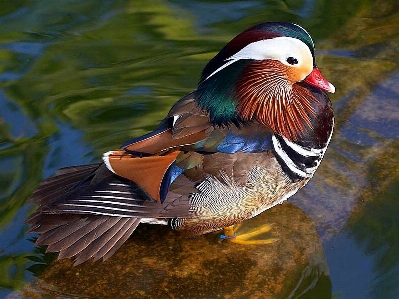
(233, 234)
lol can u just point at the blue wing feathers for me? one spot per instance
(170, 175)
(233, 143)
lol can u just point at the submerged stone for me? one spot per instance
(157, 262)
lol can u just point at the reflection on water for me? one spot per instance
(78, 79)
(375, 224)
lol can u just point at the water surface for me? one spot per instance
(78, 78)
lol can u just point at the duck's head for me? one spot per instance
(259, 75)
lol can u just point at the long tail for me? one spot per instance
(75, 234)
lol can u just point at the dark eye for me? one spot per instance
(292, 60)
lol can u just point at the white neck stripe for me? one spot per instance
(287, 160)
(229, 61)
(317, 153)
(313, 152)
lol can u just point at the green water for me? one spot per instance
(78, 78)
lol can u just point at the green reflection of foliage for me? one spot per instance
(114, 68)
(367, 54)
(370, 38)
(22, 177)
(375, 223)
(12, 271)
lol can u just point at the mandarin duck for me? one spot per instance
(249, 137)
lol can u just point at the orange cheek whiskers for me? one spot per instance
(286, 110)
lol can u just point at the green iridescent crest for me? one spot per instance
(217, 95)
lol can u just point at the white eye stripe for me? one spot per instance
(222, 67)
(275, 48)
(278, 48)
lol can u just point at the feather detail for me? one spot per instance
(266, 94)
(147, 172)
(102, 245)
(249, 137)
(86, 236)
(191, 118)
(163, 142)
(57, 185)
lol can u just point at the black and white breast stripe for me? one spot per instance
(297, 162)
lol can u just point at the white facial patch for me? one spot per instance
(278, 48)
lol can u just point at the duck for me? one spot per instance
(250, 135)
